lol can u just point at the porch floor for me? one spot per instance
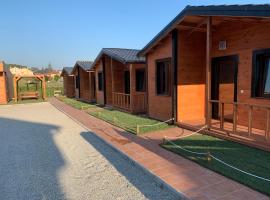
(185, 176)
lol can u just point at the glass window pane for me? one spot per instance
(267, 77)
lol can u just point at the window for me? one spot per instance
(163, 77)
(100, 81)
(140, 80)
(77, 82)
(261, 74)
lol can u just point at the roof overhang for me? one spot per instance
(77, 66)
(102, 53)
(260, 11)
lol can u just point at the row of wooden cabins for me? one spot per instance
(209, 66)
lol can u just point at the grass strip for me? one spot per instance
(249, 159)
(118, 118)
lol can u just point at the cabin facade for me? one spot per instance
(68, 82)
(121, 79)
(84, 86)
(6, 86)
(211, 66)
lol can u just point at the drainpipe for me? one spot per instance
(174, 73)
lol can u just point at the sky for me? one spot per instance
(38, 32)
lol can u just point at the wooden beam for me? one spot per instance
(204, 21)
(131, 106)
(193, 29)
(112, 74)
(234, 118)
(208, 71)
(267, 125)
(15, 89)
(250, 109)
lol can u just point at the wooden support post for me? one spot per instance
(267, 125)
(208, 71)
(15, 89)
(44, 87)
(250, 109)
(234, 118)
(112, 74)
(131, 105)
(221, 110)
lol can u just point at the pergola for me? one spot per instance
(41, 78)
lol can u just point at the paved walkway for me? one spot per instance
(45, 155)
(190, 179)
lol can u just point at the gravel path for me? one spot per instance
(46, 155)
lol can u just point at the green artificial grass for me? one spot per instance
(128, 121)
(120, 119)
(249, 159)
(76, 104)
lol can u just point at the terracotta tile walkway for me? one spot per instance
(190, 179)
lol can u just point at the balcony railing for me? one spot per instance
(243, 125)
(121, 100)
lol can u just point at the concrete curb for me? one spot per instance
(157, 180)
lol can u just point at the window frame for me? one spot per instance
(144, 80)
(258, 77)
(100, 81)
(168, 92)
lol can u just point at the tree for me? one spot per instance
(56, 77)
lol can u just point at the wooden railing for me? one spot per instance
(121, 100)
(250, 117)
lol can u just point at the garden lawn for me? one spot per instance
(249, 159)
(120, 119)
(76, 104)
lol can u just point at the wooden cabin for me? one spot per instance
(69, 82)
(84, 81)
(211, 66)
(6, 86)
(121, 79)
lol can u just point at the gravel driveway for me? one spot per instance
(46, 155)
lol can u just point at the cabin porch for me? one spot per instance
(218, 83)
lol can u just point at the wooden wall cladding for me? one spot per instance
(242, 39)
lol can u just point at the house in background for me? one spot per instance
(121, 79)
(211, 65)
(68, 82)
(6, 84)
(84, 81)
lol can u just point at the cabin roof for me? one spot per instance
(249, 10)
(68, 70)
(85, 65)
(121, 55)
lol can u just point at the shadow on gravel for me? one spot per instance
(29, 161)
(144, 182)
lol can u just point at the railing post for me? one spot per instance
(267, 125)
(221, 108)
(234, 118)
(250, 109)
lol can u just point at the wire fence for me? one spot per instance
(209, 157)
(139, 127)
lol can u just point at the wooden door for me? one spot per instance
(127, 82)
(224, 84)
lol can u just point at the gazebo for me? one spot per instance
(40, 78)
